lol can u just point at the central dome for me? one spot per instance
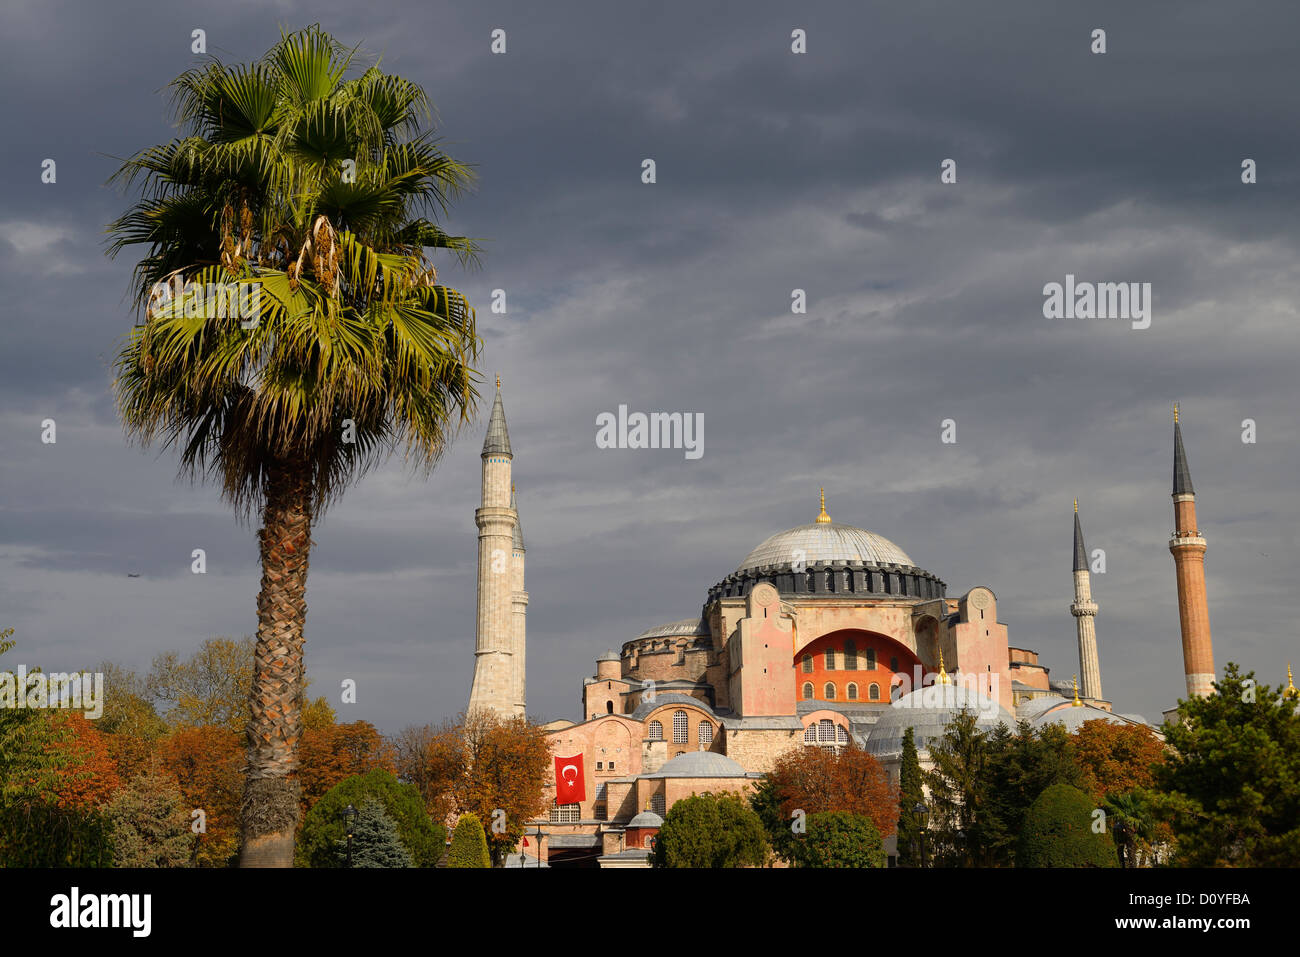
(825, 542)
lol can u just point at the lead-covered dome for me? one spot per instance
(928, 711)
(824, 543)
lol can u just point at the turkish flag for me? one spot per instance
(570, 784)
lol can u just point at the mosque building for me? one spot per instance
(825, 634)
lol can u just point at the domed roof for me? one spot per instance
(687, 627)
(825, 542)
(929, 711)
(1072, 718)
(700, 764)
(646, 819)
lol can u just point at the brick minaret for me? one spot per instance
(1084, 611)
(1188, 548)
(519, 608)
(494, 668)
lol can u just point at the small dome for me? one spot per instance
(928, 712)
(609, 655)
(646, 819)
(700, 764)
(1072, 718)
(825, 542)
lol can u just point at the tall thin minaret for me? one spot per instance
(494, 671)
(1188, 548)
(519, 609)
(1084, 611)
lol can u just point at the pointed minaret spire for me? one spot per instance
(519, 525)
(1188, 548)
(1182, 476)
(1084, 611)
(822, 517)
(497, 441)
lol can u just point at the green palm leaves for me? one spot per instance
(314, 200)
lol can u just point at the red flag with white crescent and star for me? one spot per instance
(570, 785)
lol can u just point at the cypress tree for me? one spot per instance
(469, 844)
(910, 795)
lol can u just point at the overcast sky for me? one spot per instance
(775, 171)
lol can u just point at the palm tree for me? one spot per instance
(1133, 822)
(316, 196)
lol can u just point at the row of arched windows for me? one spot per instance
(852, 662)
(681, 730)
(829, 692)
(825, 731)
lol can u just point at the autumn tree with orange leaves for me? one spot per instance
(1117, 757)
(335, 752)
(816, 780)
(207, 764)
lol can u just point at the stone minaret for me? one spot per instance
(519, 608)
(1084, 611)
(1188, 548)
(494, 669)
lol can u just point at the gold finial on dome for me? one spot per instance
(1291, 690)
(1077, 702)
(823, 518)
(1175, 413)
(943, 675)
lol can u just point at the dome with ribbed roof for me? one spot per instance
(700, 764)
(823, 543)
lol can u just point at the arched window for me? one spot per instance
(853, 692)
(609, 707)
(841, 734)
(871, 659)
(807, 664)
(705, 733)
(873, 692)
(807, 691)
(826, 731)
(679, 728)
(829, 691)
(893, 664)
(851, 655)
(656, 731)
(810, 734)
(830, 659)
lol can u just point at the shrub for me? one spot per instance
(1058, 832)
(839, 839)
(323, 825)
(468, 844)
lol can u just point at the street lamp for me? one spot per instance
(349, 816)
(540, 835)
(920, 811)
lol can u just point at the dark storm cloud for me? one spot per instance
(774, 172)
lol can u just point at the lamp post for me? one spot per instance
(540, 835)
(921, 814)
(349, 815)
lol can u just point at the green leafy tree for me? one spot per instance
(958, 832)
(910, 794)
(1059, 832)
(1021, 765)
(324, 825)
(766, 804)
(708, 830)
(148, 826)
(1230, 785)
(1134, 825)
(375, 842)
(839, 839)
(314, 192)
(468, 844)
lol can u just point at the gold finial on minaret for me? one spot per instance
(1291, 690)
(1175, 413)
(498, 380)
(1077, 702)
(943, 675)
(823, 518)
(1076, 506)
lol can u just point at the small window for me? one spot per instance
(600, 765)
(609, 707)
(851, 655)
(871, 659)
(853, 692)
(564, 813)
(826, 731)
(829, 691)
(873, 692)
(807, 691)
(841, 735)
(657, 804)
(830, 659)
(705, 734)
(893, 664)
(807, 664)
(611, 765)
(810, 734)
(680, 735)
(656, 731)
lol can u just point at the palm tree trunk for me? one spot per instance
(269, 811)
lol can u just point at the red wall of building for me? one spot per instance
(885, 648)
